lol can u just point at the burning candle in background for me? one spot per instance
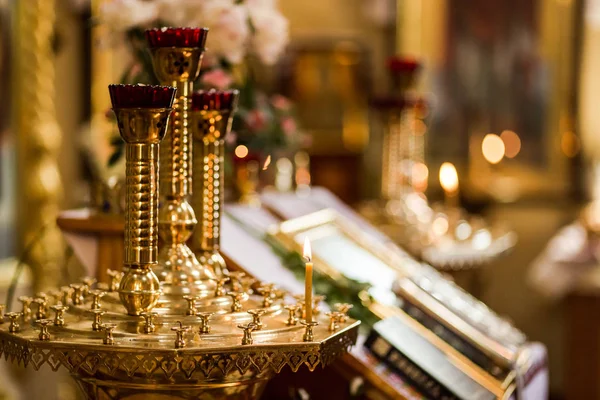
(449, 182)
(308, 280)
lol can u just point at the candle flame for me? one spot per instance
(307, 251)
(448, 177)
(267, 163)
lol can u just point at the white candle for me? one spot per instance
(308, 280)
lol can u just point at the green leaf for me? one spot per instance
(115, 156)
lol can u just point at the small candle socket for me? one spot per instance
(108, 333)
(97, 324)
(204, 326)
(42, 303)
(247, 338)
(114, 280)
(180, 330)
(44, 334)
(334, 319)
(191, 310)
(267, 292)
(343, 309)
(236, 298)
(292, 311)
(65, 293)
(26, 311)
(96, 296)
(220, 288)
(59, 314)
(256, 314)
(149, 326)
(236, 280)
(77, 295)
(14, 322)
(308, 332)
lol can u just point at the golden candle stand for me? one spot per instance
(177, 57)
(131, 339)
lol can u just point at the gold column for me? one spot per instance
(38, 139)
(177, 57)
(143, 115)
(211, 121)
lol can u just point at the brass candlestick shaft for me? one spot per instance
(139, 289)
(179, 67)
(142, 129)
(211, 122)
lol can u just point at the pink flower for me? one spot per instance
(256, 120)
(280, 102)
(217, 78)
(288, 125)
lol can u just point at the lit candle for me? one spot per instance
(449, 182)
(308, 280)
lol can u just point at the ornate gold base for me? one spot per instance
(214, 261)
(244, 389)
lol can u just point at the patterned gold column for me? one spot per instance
(38, 139)
(142, 115)
(211, 121)
(399, 140)
(177, 56)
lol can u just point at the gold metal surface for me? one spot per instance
(209, 128)
(178, 266)
(142, 129)
(39, 186)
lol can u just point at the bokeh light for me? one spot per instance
(512, 143)
(241, 151)
(493, 148)
(448, 177)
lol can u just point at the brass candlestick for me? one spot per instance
(211, 121)
(399, 141)
(142, 115)
(177, 57)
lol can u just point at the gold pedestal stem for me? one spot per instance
(142, 129)
(176, 217)
(209, 131)
(141, 228)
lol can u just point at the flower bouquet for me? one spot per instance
(239, 30)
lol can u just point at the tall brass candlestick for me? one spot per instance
(211, 122)
(177, 57)
(142, 114)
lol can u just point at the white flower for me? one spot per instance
(271, 33)
(179, 13)
(260, 4)
(121, 15)
(228, 29)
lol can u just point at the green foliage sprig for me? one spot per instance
(344, 290)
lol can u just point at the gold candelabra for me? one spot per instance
(177, 57)
(211, 121)
(124, 340)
